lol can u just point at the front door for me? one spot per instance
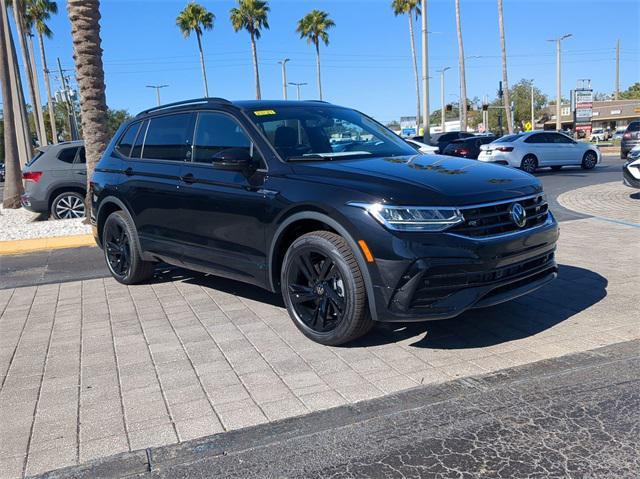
(224, 210)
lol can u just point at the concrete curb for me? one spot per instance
(45, 244)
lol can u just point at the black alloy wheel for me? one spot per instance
(590, 160)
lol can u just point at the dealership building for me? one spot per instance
(610, 115)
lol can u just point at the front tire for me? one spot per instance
(323, 289)
(589, 160)
(529, 164)
(121, 252)
(68, 205)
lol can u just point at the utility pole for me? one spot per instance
(442, 122)
(559, 79)
(73, 125)
(617, 90)
(533, 124)
(297, 85)
(425, 75)
(283, 64)
(157, 88)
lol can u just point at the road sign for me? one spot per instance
(528, 126)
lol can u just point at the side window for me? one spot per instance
(136, 150)
(126, 142)
(216, 132)
(538, 138)
(558, 138)
(68, 154)
(81, 159)
(169, 138)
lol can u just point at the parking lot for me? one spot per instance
(91, 368)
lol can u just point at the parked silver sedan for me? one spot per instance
(537, 149)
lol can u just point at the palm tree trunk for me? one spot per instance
(87, 54)
(45, 71)
(505, 82)
(204, 70)
(13, 188)
(415, 72)
(463, 76)
(36, 84)
(318, 69)
(17, 9)
(254, 52)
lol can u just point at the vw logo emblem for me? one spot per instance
(518, 214)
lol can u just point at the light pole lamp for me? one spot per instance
(443, 106)
(558, 78)
(297, 85)
(157, 88)
(283, 64)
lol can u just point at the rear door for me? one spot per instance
(152, 185)
(540, 145)
(223, 211)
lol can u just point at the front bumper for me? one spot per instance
(628, 178)
(439, 276)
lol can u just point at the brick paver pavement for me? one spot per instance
(613, 201)
(93, 368)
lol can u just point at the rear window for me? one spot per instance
(32, 160)
(68, 154)
(126, 142)
(508, 138)
(169, 137)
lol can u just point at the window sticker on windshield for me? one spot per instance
(264, 112)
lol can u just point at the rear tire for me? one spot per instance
(121, 251)
(529, 164)
(68, 205)
(589, 160)
(323, 289)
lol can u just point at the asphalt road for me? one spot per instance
(86, 263)
(573, 416)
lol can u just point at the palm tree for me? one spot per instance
(196, 18)
(252, 16)
(411, 7)
(505, 82)
(37, 14)
(13, 188)
(87, 55)
(313, 26)
(463, 76)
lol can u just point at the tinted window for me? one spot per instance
(82, 157)
(538, 138)
(169, 138)
(558, 138)
(68, 154)
(216, 132)
(464, 134)
(634, 126)
(509, 138)
(126, 142)
(137, 146)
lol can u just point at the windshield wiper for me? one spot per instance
(308, 158)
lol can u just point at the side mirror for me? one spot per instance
(232, 159)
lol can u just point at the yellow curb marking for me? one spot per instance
(45, 244)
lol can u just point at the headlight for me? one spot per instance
(413, 218)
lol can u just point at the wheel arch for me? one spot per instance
(280, 238)
(67, 188)
(107, 206)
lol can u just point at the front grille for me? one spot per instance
(442, 281)
(495, 219)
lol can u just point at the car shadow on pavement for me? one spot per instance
(575, 290)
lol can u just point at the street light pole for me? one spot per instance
(532, 108)
(558, 79)
(157, 88)
(442, 123)
(283, 64)
(297, 85)
(425, 75)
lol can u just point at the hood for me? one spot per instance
(423, 179)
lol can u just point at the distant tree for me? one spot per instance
(631, 93)
(195, 18)
(520, 94)
(411, 8)
(115, 118)
(313, 26)
(251, 15)
(600, 96)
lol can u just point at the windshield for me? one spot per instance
(303, 133)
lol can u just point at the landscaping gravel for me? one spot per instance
(22, 224)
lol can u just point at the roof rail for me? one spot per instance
(194, 101)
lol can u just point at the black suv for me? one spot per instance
(322, 204)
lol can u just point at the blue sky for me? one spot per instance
(367, 64)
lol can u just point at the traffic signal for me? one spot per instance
(449, 107)
(485, 107)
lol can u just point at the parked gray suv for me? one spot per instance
(56, 180)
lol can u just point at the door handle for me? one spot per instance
(128, 171)
(188, 178)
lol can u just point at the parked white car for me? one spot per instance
(423, 147)
(539, 149)
(599, 134)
